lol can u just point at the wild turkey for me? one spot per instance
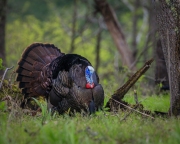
(67, 80)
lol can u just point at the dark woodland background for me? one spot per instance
(77, 26)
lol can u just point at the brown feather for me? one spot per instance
(42, 53)
(34, 56)
(35, 74)
(30, 60)
(32, 75)
(38, 66)
(39, 90)
(23, 71)
(22, 78)
(54, 50)
(24, 84)
(25, 65)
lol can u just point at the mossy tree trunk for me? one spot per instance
(168, 19)
(3, 7)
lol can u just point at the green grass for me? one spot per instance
(104, 127)
(153, 102)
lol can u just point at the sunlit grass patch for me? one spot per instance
(153, 103)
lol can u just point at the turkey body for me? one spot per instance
(68, 81)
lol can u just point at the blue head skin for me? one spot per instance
(89, 72)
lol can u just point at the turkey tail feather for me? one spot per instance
(32, 68)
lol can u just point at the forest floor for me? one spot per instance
(18, 127)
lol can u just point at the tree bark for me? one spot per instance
(3, 4)
(116, 32)
(168, 19)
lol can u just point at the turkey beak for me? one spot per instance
(92, 107)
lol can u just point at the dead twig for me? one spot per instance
(7, 98)
(136, 97)
(133, 109)
(5, 75)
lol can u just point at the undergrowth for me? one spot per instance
(104, 127)
(20, 126)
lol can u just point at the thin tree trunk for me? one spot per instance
(3, 4)
(116, 31)
(73, 36)
(98, 50)
(134, 28)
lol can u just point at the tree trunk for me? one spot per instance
(134, 28)
(3, 4)
(116, 32)
(169, 29)
(98, 50)
(73, 35)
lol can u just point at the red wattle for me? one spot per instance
(90, 86)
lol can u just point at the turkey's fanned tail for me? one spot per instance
(33, 71)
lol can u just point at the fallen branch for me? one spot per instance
(119, 94)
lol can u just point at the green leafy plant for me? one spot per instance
(3, 106)
(46, 114)
(1, 64)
